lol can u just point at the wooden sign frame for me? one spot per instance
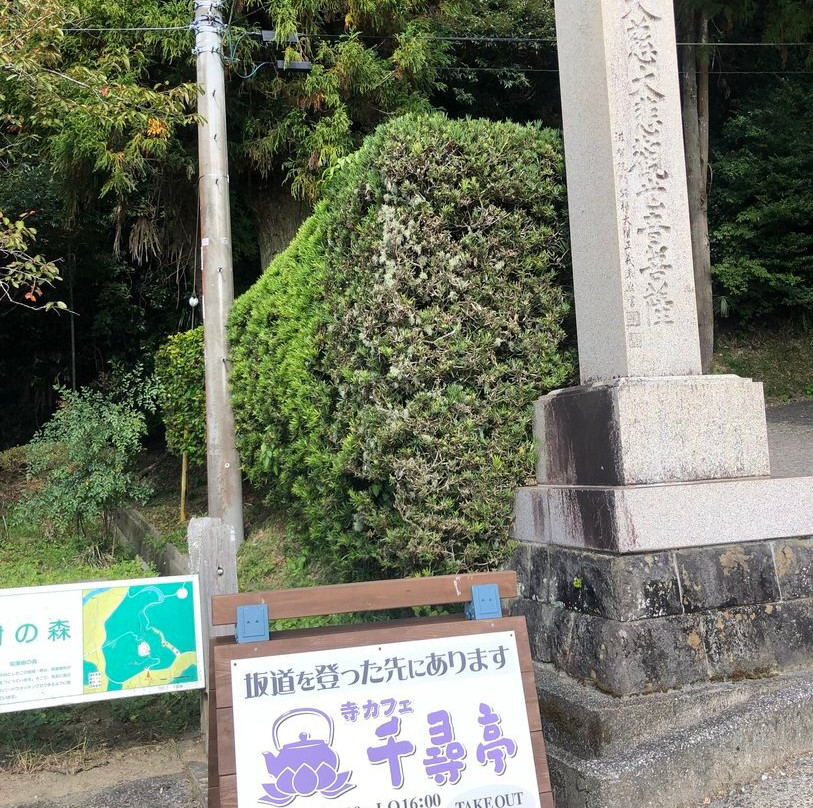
(346, 598)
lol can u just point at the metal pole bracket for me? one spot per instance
(252, 623)
(485, 602)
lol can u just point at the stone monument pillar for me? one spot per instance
(647, 453)
(656, 549)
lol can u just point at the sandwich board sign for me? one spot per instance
(415, 724)
(425, 713)
(71, 643)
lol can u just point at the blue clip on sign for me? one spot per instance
(485, 602)
(252, 623)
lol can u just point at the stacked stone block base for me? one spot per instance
(669, 750)
(649, 622)
(666, 677)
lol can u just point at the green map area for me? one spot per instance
(138, 636)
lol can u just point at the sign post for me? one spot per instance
(419, 713)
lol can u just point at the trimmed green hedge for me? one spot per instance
(385, 365)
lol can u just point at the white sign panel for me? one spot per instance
(437, 723)
(102, 640)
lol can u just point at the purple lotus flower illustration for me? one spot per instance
(304, 767)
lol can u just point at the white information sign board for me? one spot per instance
(102, 640)
(436, 723)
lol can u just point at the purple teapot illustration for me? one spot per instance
(304, 767)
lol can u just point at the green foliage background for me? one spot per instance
(385, 364)
(179, 372)
(762, 203)
(79, 462)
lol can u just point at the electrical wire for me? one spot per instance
(760, 72)
(552, 41)
(556, 70)
(247, 76)
(232, 62)
(464, 69)
(433, 38)
(113, 30)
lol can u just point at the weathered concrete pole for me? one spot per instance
(222, 462)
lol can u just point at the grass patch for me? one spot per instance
(271, 559)
(27, 558)
(780, 357)
(163, 472)
(74, 738)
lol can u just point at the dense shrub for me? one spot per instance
(179, 371)
(79, 462)
(12, 476)
(384, 367)
(761, 204)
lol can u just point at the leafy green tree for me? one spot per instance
(370, 61)
(179, 374)
(502, 60)
(22, 275)
(98, 108)
(109, 110)
(99, 133)
(762, 206)
(701, 24)
(179, 371)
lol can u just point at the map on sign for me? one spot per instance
(138, 636)
(84, 642)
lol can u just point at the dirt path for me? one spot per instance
(154, 776)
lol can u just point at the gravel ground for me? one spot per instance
(789, 786)
(169, 791)
(161, 775)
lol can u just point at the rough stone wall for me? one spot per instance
(642, 623)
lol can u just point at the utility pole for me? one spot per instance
(223, 463)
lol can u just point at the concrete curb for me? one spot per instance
(681, 768)
(134, 532)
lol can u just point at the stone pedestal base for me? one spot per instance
(648, 622)
(636, 431)
(669, 750)
(668, 609)
(646, 518)
(665, 677)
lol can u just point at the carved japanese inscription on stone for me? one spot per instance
(645, 180)
(627, 194)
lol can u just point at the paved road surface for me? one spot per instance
(790, 438)
(788, 786)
